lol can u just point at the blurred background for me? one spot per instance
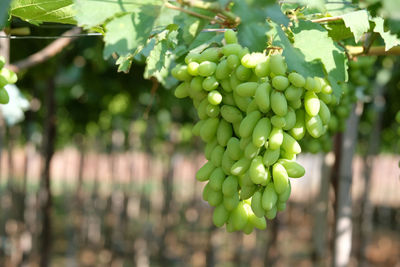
(97, 169)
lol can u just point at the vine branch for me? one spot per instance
(327, 19)
(372, 51)
(192, 13)
(48, 52)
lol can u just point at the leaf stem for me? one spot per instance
(327, 19)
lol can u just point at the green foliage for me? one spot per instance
(39, 11)
(4, 5)
(391, 40)
(358, 22)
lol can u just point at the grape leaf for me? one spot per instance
(338, 31)
(391, 40)
(315, 44)
(94, 12)
(295, 59)
(38, 11)
(253, 35)
(204, 40)
(4, 5)
(274, 12)
(124, 34)
(358, 22)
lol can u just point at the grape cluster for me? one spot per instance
(6, 77)
(252, 114)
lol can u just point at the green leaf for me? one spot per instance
(91, 13)
(4, 6)
(274, 12)
(358, 22)
(38, 11)
(253, 35)
(126, 33)
(295, 59)
(315, 44)
(204, 40)
(391, 40)
(124, 63)
(338, 31)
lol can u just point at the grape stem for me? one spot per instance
(372, 51)
(327, 19)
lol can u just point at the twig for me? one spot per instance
(327, 19)
(195, 14)
(49, 51)
(373, 51)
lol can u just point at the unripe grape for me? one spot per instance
(203, 174)
(262, 97)
(209, 129)
(181, 91)
(248, 123)
(296, 79)
(293, 169)
(197, 83)
(257, 172)
(278, 103)
(269, 197)
(290, 145)
(262, 68)
(311, 103)
(211, 54)
(258, 222)
(280, 178)
(247, 192)
(314, 126)
(227, 163)
(324, 113)
(217, 177)
(298, 131)
(278, 121)
(251, 60)
(209, 148)
(210, 83)
(206, 68)
(212, 110)
(231, 114)
(233, 61)
(224, 132)
(256, 205)
(293, 93)
(290, 119)
(192, 57)
(277, 64)
(281, 206)
(246, 89)
(206, 192)
(231, 202)
(214, 197)
(229, 187)
(240, 216)
(220, 215)
(271, 214)
(193, 68)
(243, 73)
(261, 132)
(232, 49)
(275, 138)
(285, 195)
(271, 156)
(233, 148)
(216, 155)
(223, 70)
(197, 127)
(251, 151)
(240, 166)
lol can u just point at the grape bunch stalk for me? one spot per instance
(252, 114)
(6, 77)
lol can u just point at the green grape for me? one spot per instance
(248, 123)
(290, 119)
(4, 98)
(212, 110)
(233, 149)
(280, 177)
(193, 68)
(209, 148)
(233, 61)
(314, 126)
(224, 132)
(202, 109)
(269, 197)
(287, 155)
(227, 163)
(234, 81)
(310, 84)
(230, 186)
(293, 93)
(226, 85)
(232, 49)
(3, 81)
(216, 155)
(295, 104)
(256, 205)
(197, 127)
(261, 132)
(241, 102)
(325, 97)
(293, 169)
(262, 97)
(206, 192)
(192, 57)
(2, 62)
(246, 89)
(210, 83)
(211, 54)
(214, 197)
(203, 174)
(244, 142)
(244, 180)
(231, 202)
(252, 106)
(298, 131)
(216, 179)
(258, 222)
(290, 145)
(220, 215)
(179, 72)
(223, 71)
(257, 172)
(251, 60)
(296, 79)
(285, 195)
(326, 89)
(197, 83)
(324, 113)
(271, 214)
(278, 121)
(240, 216)
(209, 129)
(240, 166)
(275, 138)
(231, 114)
(206, 68)
(214, 97)
(278, 103)
(247, 192)
(311, 103)
(277, 64)
(318, 85)
(251, 151)
(280, 83)
(182, 90)
(10, 76)
(271, 156)
(281, 206)
(243, 73)
(262, 68)
(230, 37)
